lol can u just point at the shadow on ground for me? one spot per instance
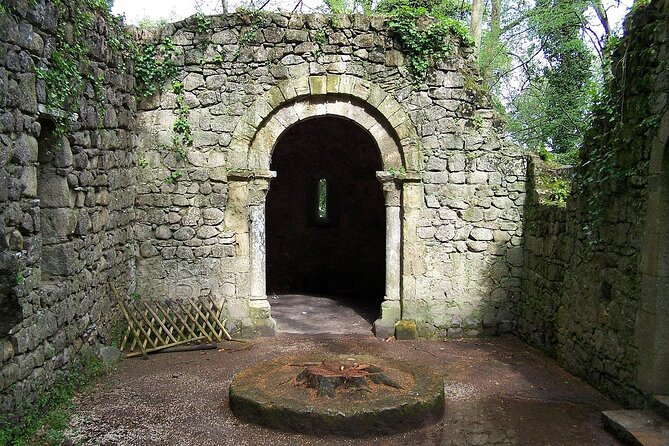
(498, 392)
(308, 313)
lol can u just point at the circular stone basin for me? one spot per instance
(285, 394)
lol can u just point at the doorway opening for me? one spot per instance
(325, 229)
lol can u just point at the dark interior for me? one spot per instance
(325, 212)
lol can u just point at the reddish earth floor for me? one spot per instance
(498, 392)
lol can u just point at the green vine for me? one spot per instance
(68, 71)
(614, 155)
(154, 65)
(424, 38)
(321, 40)
(173, 177)
(254, 19)
(183, 135)
(202, 23)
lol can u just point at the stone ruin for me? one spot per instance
(433, 213)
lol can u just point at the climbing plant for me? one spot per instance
(424, 31)
(183, 136)
(615, 155)
(69, 69)
(154, 66)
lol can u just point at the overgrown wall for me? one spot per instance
(66, 202)
(583, 292)
(462, 232)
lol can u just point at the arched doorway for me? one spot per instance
(249, 176)
(325, 224)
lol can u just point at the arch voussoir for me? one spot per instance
(350, 97)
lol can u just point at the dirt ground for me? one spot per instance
(498, 392)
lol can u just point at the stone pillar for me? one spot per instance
(391, 308)
(259, 307)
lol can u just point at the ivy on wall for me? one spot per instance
(183, 135)
(614, 157)
(154, 66)
(424, 31)
(69, 69)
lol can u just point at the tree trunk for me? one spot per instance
(476, 24)
(488, 72)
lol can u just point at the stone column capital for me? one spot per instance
(258, 183)
(392, 189)
(258, 188)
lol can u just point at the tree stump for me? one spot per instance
(327, 376)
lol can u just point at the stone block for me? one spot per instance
(59, 259)
(445, 233)
(163, 233)
(109, 355)
(296, 36)
(53, 190)
(193, 81)
(274, 35)
(394, 58)
(183, 234)
(147, 250)
(482, 234)
(406, 330)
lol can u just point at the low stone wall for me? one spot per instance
(66, 202)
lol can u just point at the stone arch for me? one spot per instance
(294, 100)
(652, 330)
(248, 161)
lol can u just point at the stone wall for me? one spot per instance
(590, 293)
(247, 78)
(66, 202)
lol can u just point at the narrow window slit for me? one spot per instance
(323, 199)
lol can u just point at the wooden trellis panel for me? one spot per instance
(154, 326)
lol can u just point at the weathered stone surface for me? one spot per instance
(109, 355)
(68, 215)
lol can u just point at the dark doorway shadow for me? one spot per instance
(326, 223)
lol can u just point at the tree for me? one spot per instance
(537, 57)
(476, 22)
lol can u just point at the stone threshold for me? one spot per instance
(641, 427)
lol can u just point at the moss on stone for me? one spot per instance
(406, 330)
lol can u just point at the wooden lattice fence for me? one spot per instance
(155, 326)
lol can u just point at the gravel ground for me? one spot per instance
(498, 392)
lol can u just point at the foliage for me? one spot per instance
(254, 19)
(202, 22)
(348, 6)
(625, 115)
(424, 28)
(183, 135)
(558, 24)
(154, 65)
(147, 22)
(45, 420)
(321, 40)
(69, 68)
(539, 57)
(173, 177)
(557, 189)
